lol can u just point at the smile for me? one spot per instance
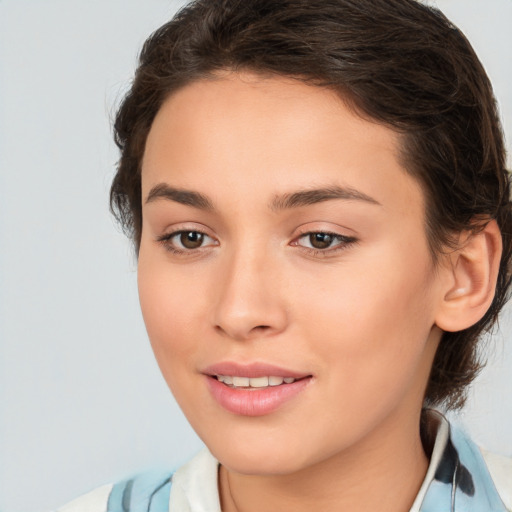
(255, 396)
(234, 381)
(254, 389)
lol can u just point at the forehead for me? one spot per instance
(261, 136)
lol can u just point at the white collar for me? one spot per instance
(195, 485)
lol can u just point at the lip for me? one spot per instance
(254, 401)
(251, 370)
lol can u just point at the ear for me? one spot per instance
(470, 279)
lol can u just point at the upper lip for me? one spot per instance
(251, 370)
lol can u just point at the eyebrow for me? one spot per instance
(186, 197)
(279, 202)
(313, 196)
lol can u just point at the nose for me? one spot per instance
(249, 302)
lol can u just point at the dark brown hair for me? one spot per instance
(397, 62)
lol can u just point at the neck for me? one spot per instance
(383, 472)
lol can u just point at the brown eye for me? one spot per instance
(324, 242)
(187, 242)
(321, 240)
(191, 239)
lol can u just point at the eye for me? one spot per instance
(319, 240)
(189, 239)
(324, 241)
(186, 240)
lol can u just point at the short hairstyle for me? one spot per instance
(396, 62)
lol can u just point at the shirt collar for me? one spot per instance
(457, 478)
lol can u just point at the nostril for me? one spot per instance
(244, 334)
(261, 328)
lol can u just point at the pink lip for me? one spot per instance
(255, 401)
(251, 370)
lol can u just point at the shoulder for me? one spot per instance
(462, 474)
(500, 469)
(147, 492)
(491, 474)
(191, 488)
(94, 501)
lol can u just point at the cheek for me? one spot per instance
(170, 310)
(372, 324)
(173, 322)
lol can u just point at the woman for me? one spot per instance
(318, 199)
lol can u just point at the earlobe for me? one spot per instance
(471, 274)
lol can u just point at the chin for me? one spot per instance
(260, 464)
(261, 455)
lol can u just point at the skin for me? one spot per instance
(359, 316)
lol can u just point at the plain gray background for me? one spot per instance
(81, 399)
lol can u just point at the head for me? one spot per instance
(397, 64)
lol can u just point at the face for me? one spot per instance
(284, 273)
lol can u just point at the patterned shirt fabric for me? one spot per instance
(457, 480)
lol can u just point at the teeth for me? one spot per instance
(275, 381)
(259, 382)
(254, 382)
(241, 382)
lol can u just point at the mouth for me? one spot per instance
(254, 389)
(237, 382)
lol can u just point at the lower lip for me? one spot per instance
(255, 401)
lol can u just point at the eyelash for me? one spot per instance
(166, 241)
(343, 243)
